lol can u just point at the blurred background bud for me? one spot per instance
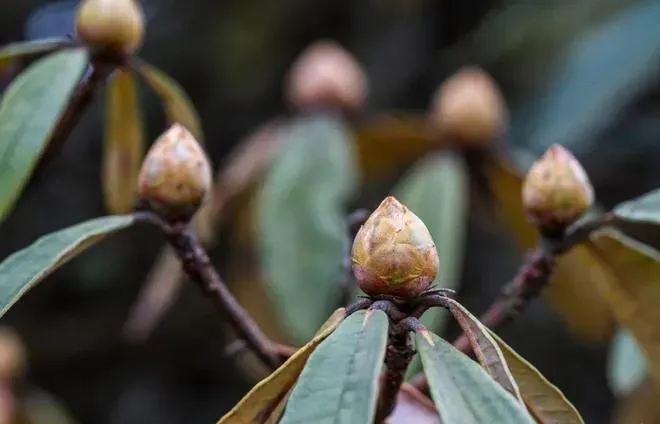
(556, 191)
(469, 108)
(326, 76)
(110, 25)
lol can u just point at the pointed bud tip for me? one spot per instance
(469, 108)
(325, 75)
(393, 252)
(115, 26)
(176, 174)
(556, 191)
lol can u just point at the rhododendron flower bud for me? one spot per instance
(556, 191)
(393, 253)
(469, 108)
(110, 25)
(175, 175)
(326, 76)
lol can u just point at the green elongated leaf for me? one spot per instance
(124, 143)
(24, 269)
(339, 384)
(461, 389)
(544, 400)
(595, 82)
(11, 52)
(627, 366)
(301, 217)
(436, 190)
(29, 111)
(178, 106)
(485, 348)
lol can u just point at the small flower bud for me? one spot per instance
(556, 191)
(469, 108)
(175, 175)
(326, 76)
(12, 354)
(110, 25)
(393, 253)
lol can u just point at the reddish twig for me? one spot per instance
(197, 265)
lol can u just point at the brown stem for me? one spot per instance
(399, 353)
(96, 74)
(197, 265)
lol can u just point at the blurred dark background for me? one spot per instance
(581, 73)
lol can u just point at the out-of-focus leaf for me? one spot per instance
(178, 107)
(25, 268)
(630, 282)
(642, 210)
(339, 384)
(39, 407)
(14, 51)
(641, 406)
(124, 143)
(238, 173)
(301, 216)
(262, 396)
(485, 348)
(390, 143)
(596, 79)
(436, 191)
(522, 28)
(588, 316)
(544, 400)
(461, 389)
(413, 407)
(29, 111)
(626, 364)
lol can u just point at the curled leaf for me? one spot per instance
(124, 143)
(461, 389)
(178, 107)
(544, 400)
(485, 348)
